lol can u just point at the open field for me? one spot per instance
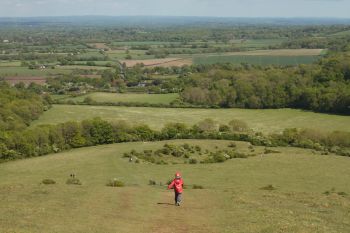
(24, 71)
(99, 45)
(133, 43)
(269, 120)
(281, 52)
(258, 57)
(231, 201)
(164, 62)
(80, 67)
(10, 63)
(26, 80)
(128, 97)
(255, 59)
(135, 54)
(258, 43)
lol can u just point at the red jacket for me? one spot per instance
(177, 185)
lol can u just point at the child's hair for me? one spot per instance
(177, 175)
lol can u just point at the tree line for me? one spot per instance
(321, 87)
(19, 107)
(46, 139)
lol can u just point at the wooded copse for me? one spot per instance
(322, 87)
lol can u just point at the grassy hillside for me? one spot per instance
(272, 120)
(232, 199)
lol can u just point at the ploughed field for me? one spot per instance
(296, 190)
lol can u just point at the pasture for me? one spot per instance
(10, 63)
(25, 71)
(26, 80)
(232, 199)
(267, 120)
(281, 52)
(255, 60)
(102, 97)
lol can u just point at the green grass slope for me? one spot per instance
(232, 200)
(269, 120)
(128, 97)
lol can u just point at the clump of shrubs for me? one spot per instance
(152, 182)
(342, 194)
(115, 183)
(187, 153)
(269, 187)
(73, 181)
(232, 145)
(193, 161)
(238, 126)
(223, 155)
(48, 181)
(196, 186)
(270, 151)
(332, 191)
(156, 157)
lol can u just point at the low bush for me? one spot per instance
(198, 148)
(268, 188)
(342, 194)
(269, 151)
(196, 186)
(193, 161)
(152, 182)
(332, 191)
(238, 126)
(48, 181)
(115, 183)
(232, 145)
(73, 181)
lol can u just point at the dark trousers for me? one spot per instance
(178, 197)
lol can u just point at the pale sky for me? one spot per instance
(218, 8)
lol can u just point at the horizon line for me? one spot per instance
(184, 16)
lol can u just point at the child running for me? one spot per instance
(177, 184)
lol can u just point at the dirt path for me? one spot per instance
(189, 217)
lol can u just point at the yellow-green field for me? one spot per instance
(232, 199)
(101, 97)
(270, 120)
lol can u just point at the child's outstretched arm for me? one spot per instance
(171, 185)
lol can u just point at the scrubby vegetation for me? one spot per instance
(268, 188)
(73, 181)
(48, 181)
(191, 154)
(115, 183)
(19, 106)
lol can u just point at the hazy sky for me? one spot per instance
(232, 8)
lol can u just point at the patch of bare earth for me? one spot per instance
(189, 217)
(99, 45)
(26, 80)
(164, 62)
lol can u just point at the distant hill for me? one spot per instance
(165, 21)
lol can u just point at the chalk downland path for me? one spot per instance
(191, 216)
